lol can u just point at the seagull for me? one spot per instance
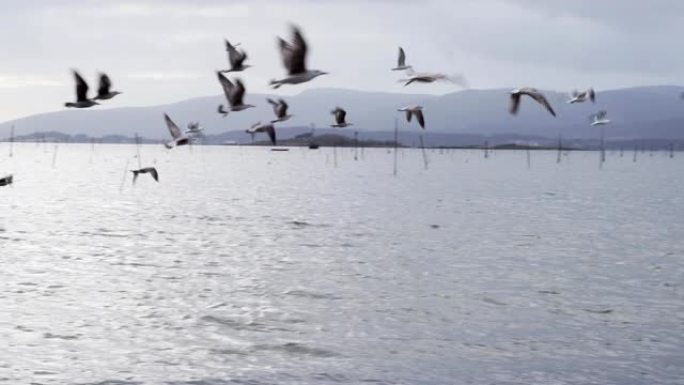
(103, 92)
(194, 129)
(414, 110)
(267, 128)
(294, 60)
(531, 92)
(235, 58)
(146, 170)
(280, 110)
(178, 138)
(431, 77)
(599, 119)
(234, 94)
(401, 62)
(577, 97)
(340, 115)
(82, 100)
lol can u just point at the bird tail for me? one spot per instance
(275, 84)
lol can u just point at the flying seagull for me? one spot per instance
(581, 97)
(82, 100)
(234, 95)
(267, 128)
(145, 170)
(294, 60)
(401, 62)
(280, 110)
(431, 77)
(194, 129)
(235, 58)
(531, 92)
(416, 111)
(103, 91)
(600, 118)
(178, 139)
(340, 116)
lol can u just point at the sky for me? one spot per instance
(163, 51)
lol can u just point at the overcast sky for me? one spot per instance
(164, 51)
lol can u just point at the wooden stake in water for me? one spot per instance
(602, 153)
(621, 151)
(529, 158)
(356, 145)
(486, 149)
(54, 156)
(396, 145)
(636, 150)
(422, 148)
(123, 179)
(560, 149)
(671, 150)
(335, 155)
(11, 140)
(137, 150)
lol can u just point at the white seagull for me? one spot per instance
(234, 95)
(178, 139)
(103, 91)
(340, 115)
(294, 60)
(280, 110)
(235, 58)
(267, 128)
(401, 62)
(82, 100)
(600, 119)
(416, 111)
(581, 97)
(431, 77)
(532, 93)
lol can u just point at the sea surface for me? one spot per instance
(247, 266)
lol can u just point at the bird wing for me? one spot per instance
(541, 99)
(420, 118)
(515, 103)
(237, 93)
(81, 87)
(105, 85)
(235, 57)
(592, 95)
(340, 114)
(294, 55)
(154, 173)
(270, 130)
(401, 62)
(409, 114)
(173, 128)
(225, 84)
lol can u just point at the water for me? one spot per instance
(245, 266)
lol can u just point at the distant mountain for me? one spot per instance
(637, 113)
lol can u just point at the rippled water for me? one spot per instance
(246, 266)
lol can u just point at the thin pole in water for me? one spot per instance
(123, 179)
(356, 145)
(486, 149)
(335, 154)
(602, 153)
(560, 148)
(636, 150)
(422, 147)
(54, 156)
(137, 150)
(529, 158)
(396, 144)
(671, 150)
(11, 146)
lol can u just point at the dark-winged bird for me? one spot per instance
(280, 110)
(178, 139)
(234, 95)
(82, 100)
(401, 62)
(294, 60)
(416, 111)
(104, 91)
(236, 58)
(532, 93)
(340, 117)
(267, 128)
(145, 170)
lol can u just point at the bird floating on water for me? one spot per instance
(234, 95)
(104, 91)
(532, 93)
(416, 111)
(280, 110)
(600, 118)
(82, 100)
(294, 60)
(401, 62)
(145, 170)
(581, 97)
(267, 128)
(235, 58)
(178, 139)
(340, 115)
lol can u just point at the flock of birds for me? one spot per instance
(294, 55)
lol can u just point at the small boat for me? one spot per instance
(280, 149)
(313, 146)
(7, 180)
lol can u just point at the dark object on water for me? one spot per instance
(145, 170)
(7, 180)
(313, 146)
(280, 149)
